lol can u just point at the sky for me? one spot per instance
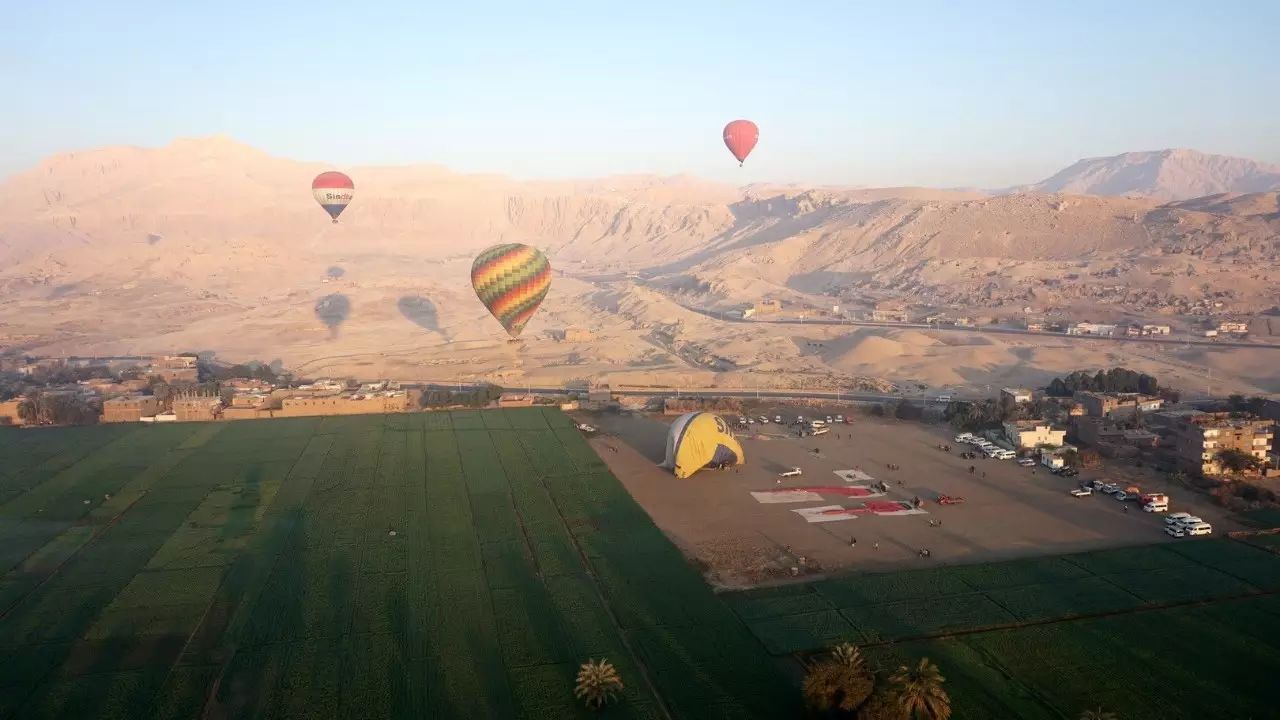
(949, 94)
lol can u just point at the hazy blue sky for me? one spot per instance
(934, 93)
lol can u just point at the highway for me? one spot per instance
(988, 329)
(718, 315)
(665, 392)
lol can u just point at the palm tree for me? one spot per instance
(882, 705)
(598, 683)
(838, 681)
(919, 692)
(1098, 714)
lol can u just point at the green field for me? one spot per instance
(1178, 630)
(249, 570)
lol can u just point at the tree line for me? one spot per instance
(1118, 379)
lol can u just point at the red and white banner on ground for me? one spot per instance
(832, 513)
(813, 493)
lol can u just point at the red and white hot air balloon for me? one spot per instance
(740, 137)
(333, 190)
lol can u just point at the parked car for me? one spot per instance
(777, 419)
(1026, 462)
(1176, 518)
(1200, 528)
(1175, 531)
(1188, 521)
(764, 420)
(839, 418)
(1081, 492)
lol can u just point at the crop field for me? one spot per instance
(1177, 630)
(434, 565)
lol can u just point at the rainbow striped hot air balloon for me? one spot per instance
(333, 190)
(511, 280)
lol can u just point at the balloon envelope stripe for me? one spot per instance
(332, 180)
(511, 280)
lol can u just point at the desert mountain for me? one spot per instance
(210, 244)
(1161, 175)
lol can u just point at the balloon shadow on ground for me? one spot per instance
(419, 311)
(332, 310)
(334, 272)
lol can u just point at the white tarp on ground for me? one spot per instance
(826, 513)
(853, 476)
(786, 496)
(831, 513)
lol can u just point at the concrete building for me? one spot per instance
(9, 412)
(1201, 437)
(1098, 404)
(600, 394)
(197, 408)
(390, 401)
(1088, 328)
(1032, 433)
(1017, 395)
(250, 384)
(1234, 328)
(507, 400)
(131, 408)
(1155, 329)
(890, 311)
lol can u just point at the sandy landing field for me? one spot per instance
(1009, 513)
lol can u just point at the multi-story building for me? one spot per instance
(1017, 395)
(197, 408)
(1033, 433)
(1201, 439)
(130, 408)
(1101, 404)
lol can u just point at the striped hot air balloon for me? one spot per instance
(511, 280)
(333, 190)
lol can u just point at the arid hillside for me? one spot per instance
(211, 245)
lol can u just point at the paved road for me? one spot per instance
(705, 392)
(952, 328)
(989, 329)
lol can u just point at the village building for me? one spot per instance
(130, 408)
(1033, 433)
(1201, 438)
(1102, 404)
(1017, 395)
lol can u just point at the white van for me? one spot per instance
(1004, 454)
(1203, 528)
